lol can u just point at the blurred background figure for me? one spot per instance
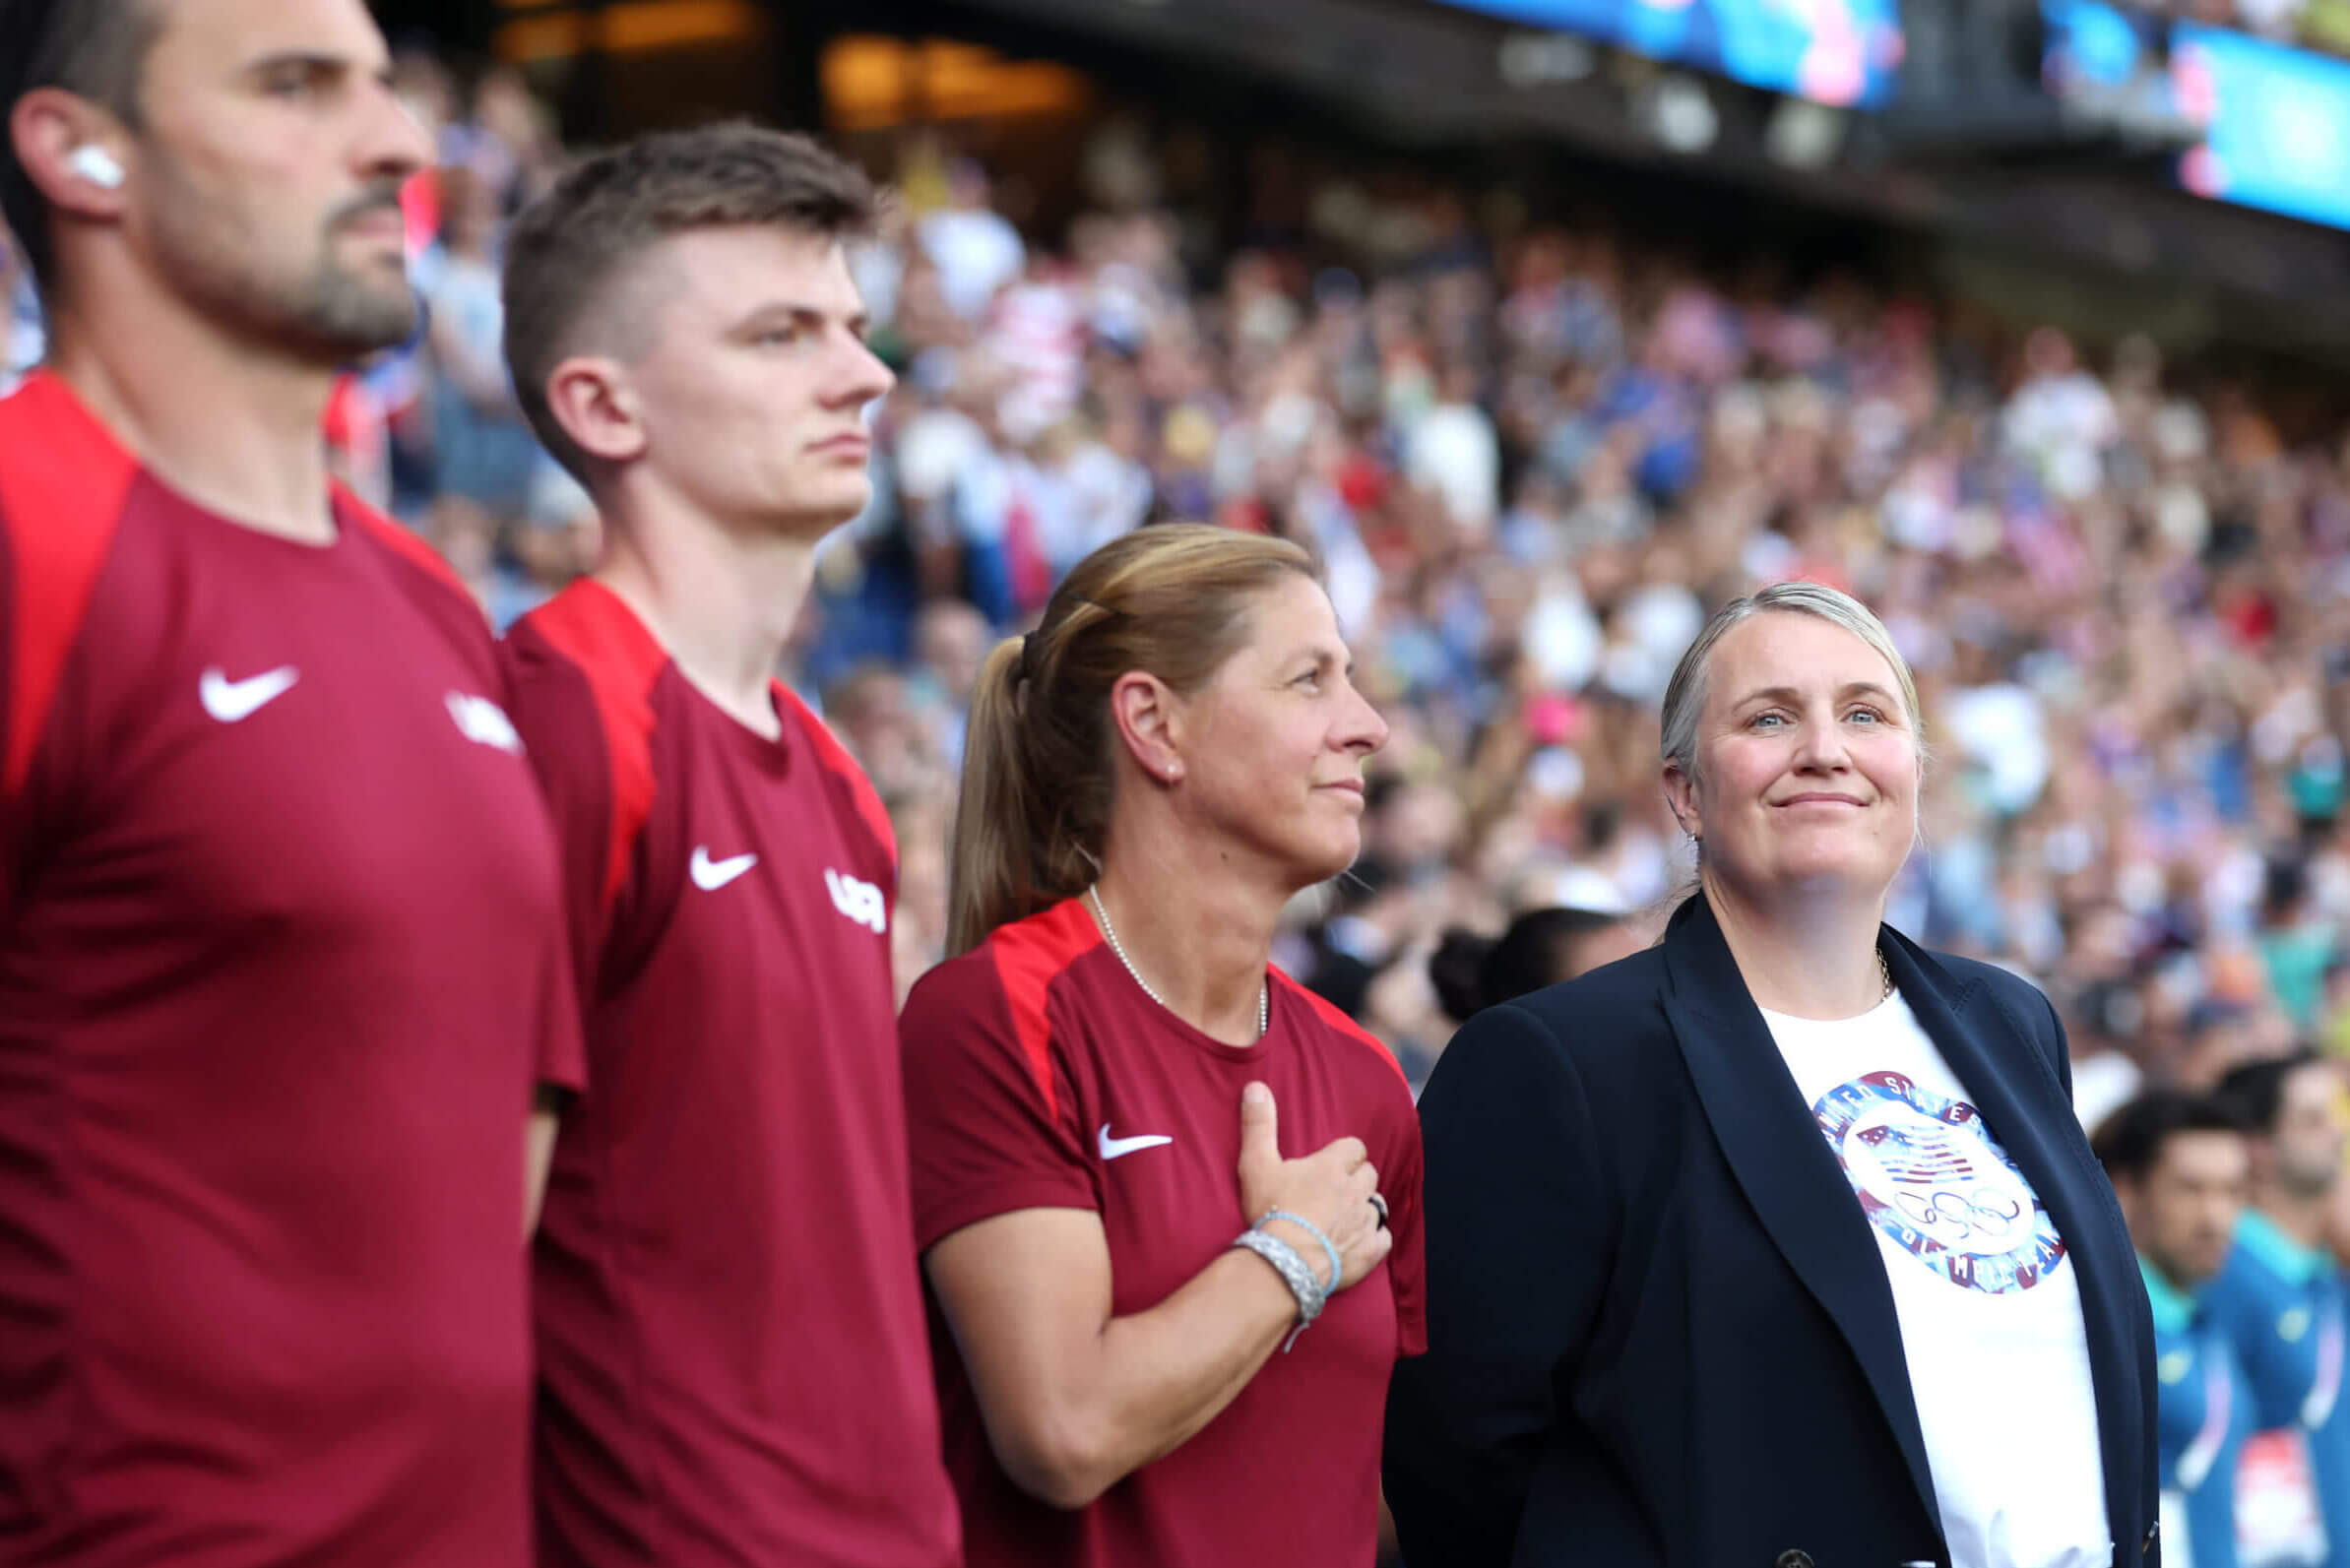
(2181, 1168)
(1542, 946)
(482, 448)
(2280, 1300)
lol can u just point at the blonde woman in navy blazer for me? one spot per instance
(1776, 1245)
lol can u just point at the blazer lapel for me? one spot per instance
(1997, 1057)
(1785, 1168)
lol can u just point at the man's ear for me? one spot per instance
(75, 152)
(591, 399)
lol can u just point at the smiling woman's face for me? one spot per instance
(1807, 762)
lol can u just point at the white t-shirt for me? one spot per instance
(1988, 1304)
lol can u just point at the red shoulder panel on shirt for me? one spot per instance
(1331, 1013)
(589, 624)
(836, 757)
(402, 543)
(1030, 955)
(63, 481)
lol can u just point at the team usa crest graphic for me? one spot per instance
(1929, 1176)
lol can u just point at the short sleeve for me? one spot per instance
(990, 1117)
(555, 713)
(1407, 1260)
(562, 1055)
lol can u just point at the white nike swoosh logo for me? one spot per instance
(709, 875)
(1113, 1148)
(229, 701)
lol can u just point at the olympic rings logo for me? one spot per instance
(1993, 1215)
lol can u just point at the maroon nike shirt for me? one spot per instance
(731, 1349)
(1040, 1075)
(280, 954)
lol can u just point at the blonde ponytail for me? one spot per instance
(1038, 777)
(988, 878)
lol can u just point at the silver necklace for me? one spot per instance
(1264, 995)
(1882, 968)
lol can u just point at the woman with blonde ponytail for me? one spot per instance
(992, 873)
(1105, 1083)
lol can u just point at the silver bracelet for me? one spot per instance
(1293, 1274)
(1311, 1229)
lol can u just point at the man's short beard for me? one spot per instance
(346, 319)
(331, 318)
(334, 315)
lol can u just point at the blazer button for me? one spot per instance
(1792, 1560)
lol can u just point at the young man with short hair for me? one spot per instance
(733, 1348)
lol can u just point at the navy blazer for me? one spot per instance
(1660, 1328)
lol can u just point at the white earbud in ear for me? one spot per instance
(97, 165)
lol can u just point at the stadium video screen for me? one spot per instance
(2280, 124)
(2277, 119)
(1843, 52)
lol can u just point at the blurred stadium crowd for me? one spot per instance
(1532, 460)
